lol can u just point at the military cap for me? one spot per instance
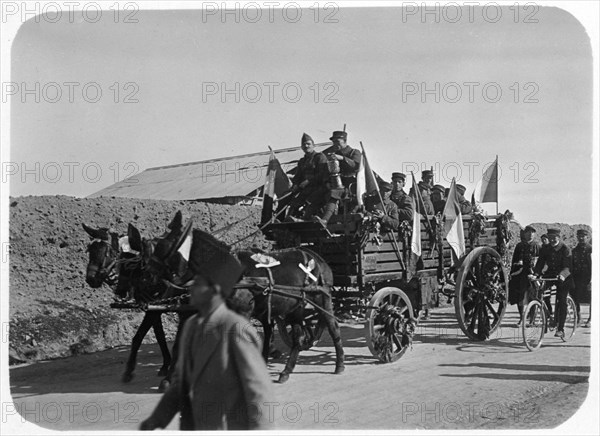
(385, 186)
(583, 232)
(553, 232)
(529, 229)
(438, 188)
(212, 259)
(461, 189)
(339, 134)
(398, 176)
(306, 137)
(426, 173)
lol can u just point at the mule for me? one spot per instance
(298, 285)
(123, 272)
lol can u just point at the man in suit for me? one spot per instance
(401, 198)
(221, 380)
(556, 256)
(582, 272)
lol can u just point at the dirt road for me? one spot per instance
(444, 382)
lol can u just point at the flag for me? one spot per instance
(277, 183)
(453, 223)
(486, 190)
(415, 241)
(366, 180)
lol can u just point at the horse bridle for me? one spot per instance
(107, 268)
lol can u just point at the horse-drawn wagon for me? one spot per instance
(377, 274)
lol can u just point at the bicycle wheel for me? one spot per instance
(533, 326)
(570, 320)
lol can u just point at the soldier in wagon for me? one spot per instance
(524, 258)
(582, 272)
(557, 257)
(339, 185)
(402, 200)
(465, 205)
(309, 180)
(544, 239)
(438, 198)
(389, 219)
(424, 187)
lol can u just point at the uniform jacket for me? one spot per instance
(465, 205)
(350, 165)
(311, 167)
(557, 258)
(405, 205)
(220, 376)
(582, 262)
(389, 221)
(425, 191)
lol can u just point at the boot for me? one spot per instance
(328, 211)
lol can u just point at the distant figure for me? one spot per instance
(403, 201)
(582, 273)
(524, 258)
(424, 187)
(557, 257)
(221, 381)
(344, 163)
(389, 219)
(438, 198)
(308, 183)
(465, 205)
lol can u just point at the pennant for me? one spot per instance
(276, 185)
(415, 242)
(453, 223)
(366, 179)
(486, 190)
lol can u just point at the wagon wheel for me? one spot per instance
(390, 324)
(312, 329)
(481, 293)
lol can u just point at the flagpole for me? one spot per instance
(497, 197)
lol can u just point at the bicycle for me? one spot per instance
(536, 316)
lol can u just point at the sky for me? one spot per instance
(95, 99)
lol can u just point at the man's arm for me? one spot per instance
(566, 263)
(406, 209)
(391, 221)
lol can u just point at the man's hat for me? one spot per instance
(461, 189)
(553, 232)
(339, 134)
(529, 229)
(583, 232)
(426, 173)
(438, 188)
(385, 186)
(305, 138)
(212, 259)
(398, 176)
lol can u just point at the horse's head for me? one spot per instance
(103, 251)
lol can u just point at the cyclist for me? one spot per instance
(557, 257)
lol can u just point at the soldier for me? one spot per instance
(557, 257)
(348, 160)
(544, 239)
(582, 272)
(465, 205)
(425, 186)
(438, 198)
(523, 261)
(402, 200)
(309, 180)
(389, 220)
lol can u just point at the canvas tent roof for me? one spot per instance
(236, 176)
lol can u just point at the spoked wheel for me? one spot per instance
(390, 324)
(481, 293)
(533, 325)
(312, 330)
(570, 320)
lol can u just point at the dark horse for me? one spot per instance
(283, 283)
(123, 271)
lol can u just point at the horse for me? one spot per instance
(123, 271)
(281, 283)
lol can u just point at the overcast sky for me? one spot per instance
(380, 71)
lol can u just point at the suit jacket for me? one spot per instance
(221, 380)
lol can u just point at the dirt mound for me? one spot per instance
(53, 312)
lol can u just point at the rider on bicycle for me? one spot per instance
(557, 257)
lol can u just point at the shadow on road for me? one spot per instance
(521, 367)
(553, 377)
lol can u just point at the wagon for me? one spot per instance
(377, 276)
